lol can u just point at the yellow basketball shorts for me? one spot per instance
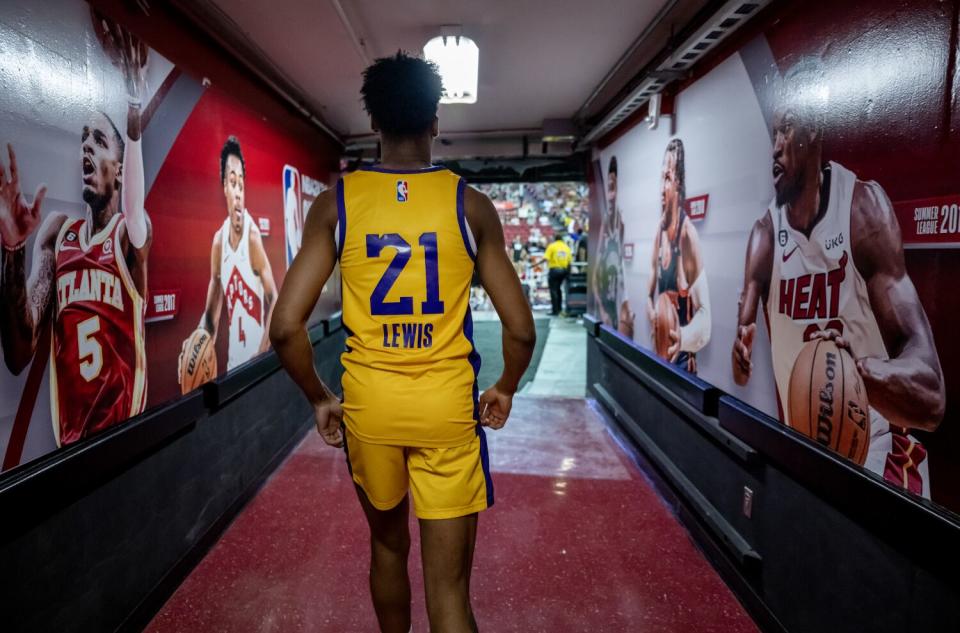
(445, 482)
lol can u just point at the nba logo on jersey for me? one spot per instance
(401, 191)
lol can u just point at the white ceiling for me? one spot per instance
(538, 58)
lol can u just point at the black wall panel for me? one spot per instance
(108, 556)
(808, 558)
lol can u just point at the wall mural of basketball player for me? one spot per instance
(826, 260)
(88, 276)
(677, 267)
(240, 272)
(608, 277)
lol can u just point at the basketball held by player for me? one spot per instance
(88, 276)
(409, 237)
(677, 271)
(240, 278)
(826, 261)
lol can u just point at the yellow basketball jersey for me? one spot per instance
(406, 259)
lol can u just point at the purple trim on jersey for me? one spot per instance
(384, 170)
(474, 359)
(346, 449)
(485, 463)
(341, 218)
(462, 218)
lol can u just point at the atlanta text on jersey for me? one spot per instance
(89, 284)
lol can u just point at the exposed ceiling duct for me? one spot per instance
(724, 22)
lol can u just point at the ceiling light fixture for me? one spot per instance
(458, 59)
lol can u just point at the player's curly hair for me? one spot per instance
(231, 148)
(612, 167)
(401, 93)
(675, 147)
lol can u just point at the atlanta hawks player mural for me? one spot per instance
(678, 273)
(88, 276)
(240, 272)
(826, 260)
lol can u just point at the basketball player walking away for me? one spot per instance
(88, 277)
(677, 267)
(409, 237)
(611, 299)
(826, 260)
(240, 272)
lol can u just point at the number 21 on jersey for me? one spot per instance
(379, 306)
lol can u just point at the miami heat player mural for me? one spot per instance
(826, 262)
(240, 272)
(88, 276)
(678, 300)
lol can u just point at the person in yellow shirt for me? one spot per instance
(558, 257)
(409, 236)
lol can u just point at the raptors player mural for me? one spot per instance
(608, 277)
(678, 274)
(826, 261)
(88, 277)
(240, 273)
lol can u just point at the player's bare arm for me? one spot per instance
(25, 302)
(908, 388)
(261, 268)
(138, 235)
(506, 294)
(210, 319)
(626, 316)
(595, 285)
(695, 335)
(758, 265)
(652, 285)
(301, 288)
(136, 258)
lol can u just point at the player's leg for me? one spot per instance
(389, 550)
(553, 280)
(449, 487)
(380, 475)
(447, 550)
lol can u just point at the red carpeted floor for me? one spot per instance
(577, 541)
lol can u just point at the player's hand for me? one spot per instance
(743, 352)
(832, 334)
(133, 58)
(328, 415)
(495, 405)
(17, 218)
(183, 350)
(673, 349)
(625, 322)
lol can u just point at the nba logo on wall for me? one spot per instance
(292, 211)
(401, 191)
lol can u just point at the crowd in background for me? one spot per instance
(532, 214)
